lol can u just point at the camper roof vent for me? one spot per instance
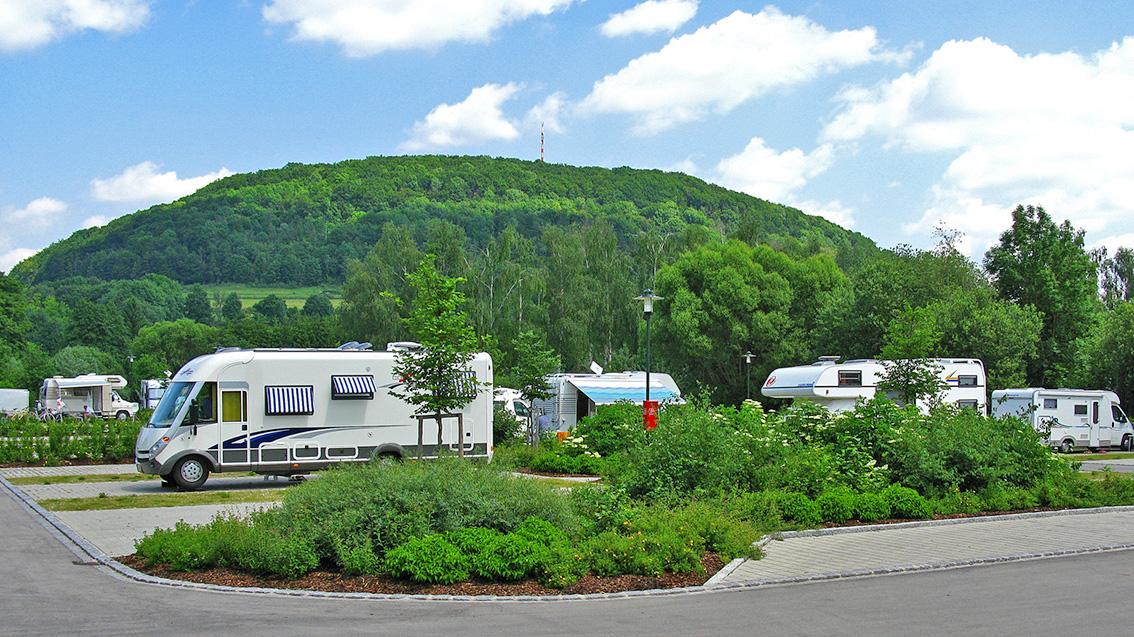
(827, 360)
(226, 349)
(349, 345)
(402, 346)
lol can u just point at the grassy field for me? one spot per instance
(1085, 457)
(102, 503)
(293, 297)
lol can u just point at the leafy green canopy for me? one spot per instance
(300, 224)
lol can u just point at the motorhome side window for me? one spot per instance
(206, 403)
(289, 400)
(1080, 410)
(850, 378)
(966, 381)
(966, 404)
(1051, 403)
(521, 408)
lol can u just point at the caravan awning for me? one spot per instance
(289, 401)
(606, 393)
(356, 387)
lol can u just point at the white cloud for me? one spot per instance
(39, 213)
(95, 221)
(549, 112)
(368, 27)
(651, 16)
(26, 24)
(687, 166)
(142, 183)
(1114, 242)
(1050, 129)
(478, 118)
(12, 257)
(719, 67)
(763, 172)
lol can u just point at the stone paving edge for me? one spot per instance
(81, 547)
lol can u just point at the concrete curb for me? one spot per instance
(79, 545)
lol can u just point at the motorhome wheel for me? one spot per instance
(1126, 443)
(1067, 447)
(122, 415)
(190, 473)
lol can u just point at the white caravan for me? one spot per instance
(150, 391)
(1068, 418)
(292, 411)
(576, 396)
(14, 401)
(94, 394)
(839, 386)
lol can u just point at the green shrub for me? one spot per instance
(357, 559)
(510, 557)
(505, 427)
(960, 502)
(613, 428)
(907, 504)
(602, 507)
(798, 508)
(809, 470)
(181, 548)
(836, 505)
(393, 503)
(540, 531)
(430, 559)
(513, 454)
(1113, 490)
(871, 507)
(565, 566)
(760, 509)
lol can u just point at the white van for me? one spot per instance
(839, 386)
(14, 402)
(576, 396)
(94, 394)
(150, 391)
(512, 402)
(292, 411)
(1068, 418)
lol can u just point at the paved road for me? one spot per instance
(939, 543)
(42, 592)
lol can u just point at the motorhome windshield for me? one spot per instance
(175, 396)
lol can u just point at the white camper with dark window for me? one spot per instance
(292, 411)
(88, 394)
(839, 386)
(1068, 419)
(576, 396)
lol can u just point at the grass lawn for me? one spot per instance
(293, 297)
(161, 500)
(90, 477)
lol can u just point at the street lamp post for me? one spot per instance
(748, 370)
(648, 297)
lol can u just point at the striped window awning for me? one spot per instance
(295, 400)
(352, 387)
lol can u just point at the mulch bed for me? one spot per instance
(330, 581)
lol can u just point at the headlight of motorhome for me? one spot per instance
(159, 445)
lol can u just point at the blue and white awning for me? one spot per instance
(289, 400)
(606, 393)
(352, 387)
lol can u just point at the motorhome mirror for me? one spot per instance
(194, 413)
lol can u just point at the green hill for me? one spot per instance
(300, 224)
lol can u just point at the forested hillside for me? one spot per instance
(301, 224)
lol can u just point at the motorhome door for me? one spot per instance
(1103, 426)
(235, 438)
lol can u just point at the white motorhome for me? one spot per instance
(292, 411)
(839, 386)
(14, 401)
(93, 394)
(512, 402)
(150, 391)
(1068, 418)
(576, 396)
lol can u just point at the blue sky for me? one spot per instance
(888, 117)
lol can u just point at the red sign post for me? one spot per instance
(650, 414)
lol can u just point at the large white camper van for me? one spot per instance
(576, 396)
(14, 402)
(838, 386)
(1068, 418)
(292, 411)
(94, 394)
